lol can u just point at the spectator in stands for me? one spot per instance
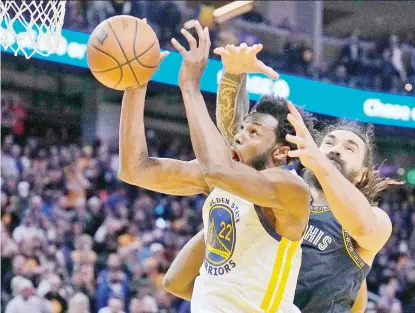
(351, 54)
(387, 70)
(28, 230)
(27, 301)
(59, 304)
(79, 303)
(97, 12)
(396, 50)
(18, 269)
(115, 305)
(341, 76)
(388, 302)
(112, 281)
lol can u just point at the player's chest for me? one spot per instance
(323, 232)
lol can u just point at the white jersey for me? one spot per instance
(248, 267)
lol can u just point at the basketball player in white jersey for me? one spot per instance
(256, 212)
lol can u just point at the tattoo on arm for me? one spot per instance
(232, 104)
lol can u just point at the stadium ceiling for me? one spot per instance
(372, 18)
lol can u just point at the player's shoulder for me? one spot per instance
(284, 172)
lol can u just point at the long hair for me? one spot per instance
(371, 183)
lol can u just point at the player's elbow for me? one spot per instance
(124, 176)
(363, 230)
(172, 286)
(212, 174)
(129, 169)
(167, 283)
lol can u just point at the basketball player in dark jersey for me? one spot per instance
(346, 229)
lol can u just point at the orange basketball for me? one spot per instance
(123, 52)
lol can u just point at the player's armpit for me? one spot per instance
(232, 104)
(179, 279)
(167, 176)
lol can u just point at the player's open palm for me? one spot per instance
(194, 60)
(307, 150)
(243, 59)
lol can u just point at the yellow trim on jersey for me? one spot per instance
(348, 252)
(322, 211)
(275, 273)
(279, 276)
(287, 268)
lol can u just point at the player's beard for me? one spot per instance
(313, 182)
(260, 162)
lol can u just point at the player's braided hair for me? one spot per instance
(371, 184)
(278, 108)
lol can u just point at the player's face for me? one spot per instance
(255, 143)
(346, 150)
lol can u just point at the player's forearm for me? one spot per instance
(180, 277)
(209, 146)
(361, 301)
(348, 204)
(232, 104)
(132, 141)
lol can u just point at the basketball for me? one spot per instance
(123, 51)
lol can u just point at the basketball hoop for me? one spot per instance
(31, 26)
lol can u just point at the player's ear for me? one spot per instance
(280, 153)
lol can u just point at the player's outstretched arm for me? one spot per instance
(180, 278)
(232, 102)
(267, 188)
(368, 225)
(137, 168)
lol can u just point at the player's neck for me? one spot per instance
(318, 197)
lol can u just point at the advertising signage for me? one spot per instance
(315, 96)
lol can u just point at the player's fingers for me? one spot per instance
(201, 34)
(178, 46)
(190, 39)
(144, 20)
(163, 55)
(296, 153)
(206, 29)
(243, 47)
(207, 45)
(257, 48)
(267, 70)
(219, 51)
(299, 141)
(232, 49)
(294, 111)
(298, 125)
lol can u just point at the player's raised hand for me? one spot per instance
(194, 60)
(307, 150)
(243, 59)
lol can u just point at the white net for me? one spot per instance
(31, 27)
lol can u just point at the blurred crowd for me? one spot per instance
(76, 239)
(387, 65)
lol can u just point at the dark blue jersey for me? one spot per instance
(331, 271)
